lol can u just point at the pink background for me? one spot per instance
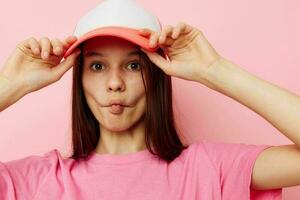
(260, 36)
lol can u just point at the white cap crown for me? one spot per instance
(123, 13)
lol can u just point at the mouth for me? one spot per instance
(117, 102)
(116, 108)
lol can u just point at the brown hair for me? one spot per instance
(160, 131)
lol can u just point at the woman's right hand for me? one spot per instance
(35, 64)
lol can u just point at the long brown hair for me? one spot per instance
(160, 130)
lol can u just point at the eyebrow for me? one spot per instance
(92, 53)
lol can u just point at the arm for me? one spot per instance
(10, 92)
(26, 70)
(278, 106)
(192, 57)
(277, 166)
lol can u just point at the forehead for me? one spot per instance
(109, 44)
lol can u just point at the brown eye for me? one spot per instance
(96, 66)
(135, 66)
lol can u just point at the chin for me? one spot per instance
(116, 128)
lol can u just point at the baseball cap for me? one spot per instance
(119, 18)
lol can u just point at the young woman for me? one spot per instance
(124, 138)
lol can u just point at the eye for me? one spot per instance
(96, 66)
(135, 66)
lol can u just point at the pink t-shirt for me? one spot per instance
(205, 171)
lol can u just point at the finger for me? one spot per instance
(46, 47)
(64, 66)
(68, 41)
(169, 31)
(158, 60)
(57, 46)
(33, 45)
(153, 39)
(164, 40)
(165, 33)
(185, 28)
(145, 32)
(180, 27)
(25, 43)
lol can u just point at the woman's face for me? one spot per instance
(111, 71)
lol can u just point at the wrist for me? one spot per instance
(218, 73)
(208, 78)
(10, 91)
(14, 85)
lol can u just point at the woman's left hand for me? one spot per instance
(189, 52)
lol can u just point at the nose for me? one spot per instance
(115, 82)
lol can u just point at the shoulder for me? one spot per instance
(16, 174)
(223, 154)
(221, 149)
(35, 163)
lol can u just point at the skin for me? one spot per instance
(191, 57)
(32, 65)
(115, 75)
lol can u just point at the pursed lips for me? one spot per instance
(117, 102)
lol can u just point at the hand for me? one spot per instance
(189, 52)
(35, 64)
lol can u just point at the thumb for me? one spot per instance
(158, 60)
(65, 65)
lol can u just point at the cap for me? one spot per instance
(119, 18)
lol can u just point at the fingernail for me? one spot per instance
(57, 49)
(37, 50)
(151, 43)
(45, 54)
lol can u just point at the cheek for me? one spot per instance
(93, 96)
(136, 93)
(92, 88)
(136, 83)
(95, 93)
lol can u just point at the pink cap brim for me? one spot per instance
(129, 34)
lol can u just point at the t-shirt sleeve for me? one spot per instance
(234, 163)
(20, 179)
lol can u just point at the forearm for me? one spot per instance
(10, 92)
(278, 106)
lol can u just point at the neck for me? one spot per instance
(122, 142)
